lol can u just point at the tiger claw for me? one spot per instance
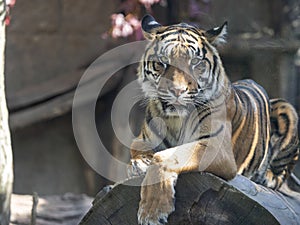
(137, 167)
(160, 219)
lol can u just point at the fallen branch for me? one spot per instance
(35, 201)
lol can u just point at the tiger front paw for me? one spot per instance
(138, 166)
(157, 197)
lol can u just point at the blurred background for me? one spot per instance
(51, 43)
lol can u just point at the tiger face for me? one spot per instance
(181, 68)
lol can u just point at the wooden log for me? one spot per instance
(202, 198)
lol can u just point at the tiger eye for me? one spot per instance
(164, 59)
(158, 65)
(195, 61)
(201, 67)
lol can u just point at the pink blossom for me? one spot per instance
(127, 30)
(135, 23)
(116, 32)
(10, 2)
(148, 3)
(117, 19)
(124, 26)
(127, 23)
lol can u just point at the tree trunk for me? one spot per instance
(6, 167)
(202, 198)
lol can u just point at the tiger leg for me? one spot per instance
(284, 142)
(158, 193)
(141, 157)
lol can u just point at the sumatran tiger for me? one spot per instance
(197, 120)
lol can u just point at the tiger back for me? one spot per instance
(271, 127)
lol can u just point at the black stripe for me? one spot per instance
(170, 40)
(277, 101)
(166, 143)
(217, 80)
(257, 97)
(146, 135)
(239, 95)
(145, 78)
(249, 120)
(286, 119)
(151, 127)
(212, 134)
(275, 127)
(209, 63)
(191, 41)
(200, 121)
(240, 115)
(277, 170)
(286, 157)
(155, 131)
(192, 47)
(215, 59)
(148, 116)
(204, 51)
(192, 34)
(164, 36)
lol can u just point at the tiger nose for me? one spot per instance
(177, 91)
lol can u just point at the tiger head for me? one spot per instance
(181, 67)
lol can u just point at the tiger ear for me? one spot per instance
(150, 26)
(217, 35)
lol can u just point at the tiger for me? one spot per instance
(197, 120)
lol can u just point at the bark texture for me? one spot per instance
(202, 198)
